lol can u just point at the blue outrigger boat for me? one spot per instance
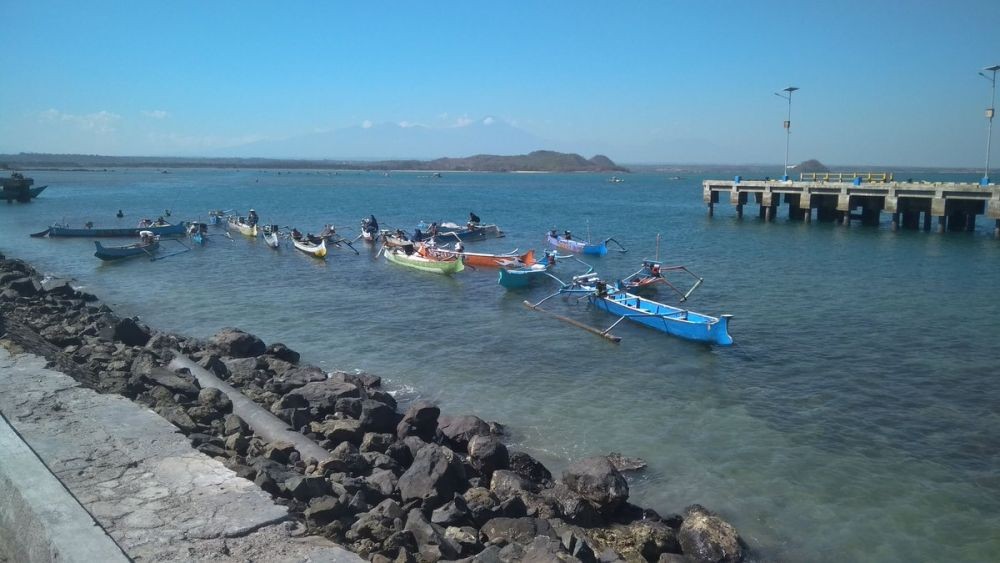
(109, 253)
(179, 229)
(567, 243)
(682, 323)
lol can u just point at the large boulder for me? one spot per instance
(487, 454)
(377, 417)
(178, 383)
(529, 468)
(432, 543)
(295, 378)
(338, 431)
(236, 343)
(506, 484)
(596, 480)
(420, 420)
(282, 352)
(323, 395)
(706, 538)
(434, 478)
(458, 430)
(129, 332)
(501, 531)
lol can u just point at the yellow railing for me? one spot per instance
(868, 177)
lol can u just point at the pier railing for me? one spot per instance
(868, 177)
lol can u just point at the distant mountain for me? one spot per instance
(811, 165)
(395, 141)
(537, 161)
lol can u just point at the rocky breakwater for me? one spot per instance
(395, 486)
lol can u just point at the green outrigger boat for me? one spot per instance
(416, 261)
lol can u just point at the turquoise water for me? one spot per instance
(856, 417)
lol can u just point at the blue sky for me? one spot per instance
(881, 82)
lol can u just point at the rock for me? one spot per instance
(458, 430)
(212, 397)
(279, 451)
(625, 464)
(175, 415)
(143, 364)
(434, 477)
(529, 468)
(400, 453)
(241, 371)
(380, 522)
(295, 378)
(282, 352)
(653, 539)
(307, 487)
(487, 454)
(25, 286)
(420, 420)
(576, 543)
(432, 543)
(322, 395)
(465, 538)
(236, 343)
(323, 510)
(705, 538)
(454, 513)
(671, 558)
(377, 417)
(383, 481)
(178, 383)
(237, 443)
(214, 364)
(596, 480)
(204, 414)
(545, 550)
(506, 484)
(481, 504)
(376, 442)
(338, 431)
(129, 332)
(382, 461)
(501, 531)
(349, 406)
(573, 507)
(233, 424)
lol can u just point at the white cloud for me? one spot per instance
(463, 121)
(489, 121)
(408, 124)
(100, 122)
(366, 124)
(155, 113)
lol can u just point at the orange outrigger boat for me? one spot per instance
(482, 260)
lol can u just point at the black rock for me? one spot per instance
(501, 531)
(487, 454)
(282, 352)
(129, 332)
(377, 417)
(596, 480)
(506, 484)
(434, 477)
(432, 544)
(706, 538)
(212, 397)
(295, 378)
(454, 513)
(307, 487)
(325, 509)
(420, 420)
(236, 425)
(178, 383)
(458, 430)
(236, 343)
(377, 442)
(529, 468)
(322, 395)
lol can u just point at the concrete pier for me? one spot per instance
(955, 206)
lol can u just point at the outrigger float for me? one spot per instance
(675, 321)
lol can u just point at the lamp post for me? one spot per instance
(788, 125)
(989, 118)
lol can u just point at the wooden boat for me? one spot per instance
(524, 276)
(394, 239)
(675, 321)
(578, 246)
(427, 264)
(446, 231)
(243, 228)
(160, 230)
(665, 318)
(198, 233)
(369, 229)
(316, 249)
(109, 253)
(482, 260)
(270, 234)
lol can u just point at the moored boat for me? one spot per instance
(450, 231)
(578, 246)
(198, 233)
(316, 249)
(682, 323)
(158, 229)
(242, 227)
(524, 276)
(424, 263)
(483, 260)
(270, 235)
(145, 247)
(18, 188)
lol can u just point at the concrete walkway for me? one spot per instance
(157, 497)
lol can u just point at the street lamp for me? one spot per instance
(788, 125)
(989, 119)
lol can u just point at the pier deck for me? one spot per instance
(952, 206)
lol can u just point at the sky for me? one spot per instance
(882, 82)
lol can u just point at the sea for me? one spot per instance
(856, 418)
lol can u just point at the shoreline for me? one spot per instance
(450, 479)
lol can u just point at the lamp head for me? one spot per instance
(993, 68)
(791, 89)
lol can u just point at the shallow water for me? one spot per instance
(855, 418)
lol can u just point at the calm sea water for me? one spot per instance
(856, 418)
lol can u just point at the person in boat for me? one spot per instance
(160, 221)
(553, 233)
(146, 237)
(120, 214)
(145, 223)
(602, 288)
(433, 231)
(417, 236)
(296, 234)
(252, 218)
(568, 235)
(473, 221)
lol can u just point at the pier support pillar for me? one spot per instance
(711, 209)
(846, 219)
(768, 213)
(970, 223)
(739, 210)
(996, 229)
(807, 215)
(927, 221)
(895, 221)
(942, 223)
(761, 213)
